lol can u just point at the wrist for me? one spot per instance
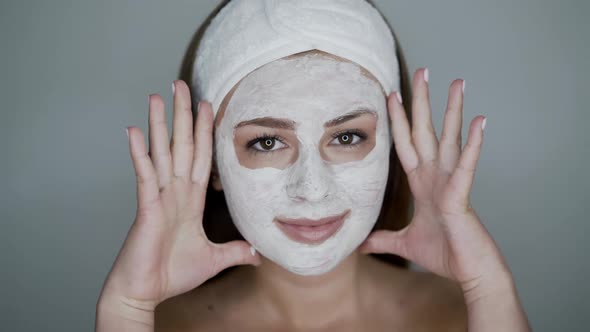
(497, 293)
(495, 279)
(116, 310)
(495, 306)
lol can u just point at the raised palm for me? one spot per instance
(445, 235)
(166, 252)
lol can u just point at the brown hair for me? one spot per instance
(395, 212)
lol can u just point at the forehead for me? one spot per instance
(307, 80)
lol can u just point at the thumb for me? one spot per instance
(385, 242)
(233, 253)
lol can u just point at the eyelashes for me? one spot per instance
(255, 146)
(264, 138)
(350, 132)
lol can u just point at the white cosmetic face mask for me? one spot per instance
(310, 91)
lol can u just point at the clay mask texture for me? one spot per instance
(310, 91)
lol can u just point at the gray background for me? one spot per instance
(74, 74)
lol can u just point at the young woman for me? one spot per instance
(311, 156)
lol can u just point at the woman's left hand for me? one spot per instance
(445, 235)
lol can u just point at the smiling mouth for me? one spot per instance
(310, 231)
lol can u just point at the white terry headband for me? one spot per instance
(247, 34)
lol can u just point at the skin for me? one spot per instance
(166, 256)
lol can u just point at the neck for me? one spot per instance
(312, 301)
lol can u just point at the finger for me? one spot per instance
(233, 253)
(158, 136)
(203, 150)
(385, 242)
(423, 133)
(147, 181)
(401, 134)
(462, 177)
(450, 139)
(182, 144)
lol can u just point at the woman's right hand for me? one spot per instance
(166, 252)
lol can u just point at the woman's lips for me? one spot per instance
(311, 231)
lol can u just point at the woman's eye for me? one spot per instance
(267, 144)
(347, 139)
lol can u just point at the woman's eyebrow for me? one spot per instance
(268, 122)
(348, 116)
(288, 124)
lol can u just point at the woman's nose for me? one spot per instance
(309, 179)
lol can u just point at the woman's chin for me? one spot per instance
(320, 269)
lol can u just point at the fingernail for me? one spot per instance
(127, 131)
(198, 106)
(426, 74)
(463, 88)
(173, 88)
(252, 251)
(483, 124)
(399, 96)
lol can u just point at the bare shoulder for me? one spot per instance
(428, 301)
(204, 308)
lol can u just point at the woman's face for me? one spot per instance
(304, 139)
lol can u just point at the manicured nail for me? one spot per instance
(399, 96)
(426, 74)
(483, 124)
(463, 88)
(173, 88)
(252, 251)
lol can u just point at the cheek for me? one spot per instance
(249, 191)
(254, 198)
(365, 180)
(364, 185)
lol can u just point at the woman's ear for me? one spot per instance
(215, 181)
